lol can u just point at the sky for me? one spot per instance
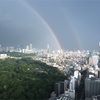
(75, 23)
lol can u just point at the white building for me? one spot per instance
(95, 60)
(3, 56)
(72, 87)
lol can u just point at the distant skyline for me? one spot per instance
(75, 23)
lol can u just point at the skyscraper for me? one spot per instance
(48, 48)
(30, 47)
(60, 87)
(92, 87)
(57, 89)
(0, 48)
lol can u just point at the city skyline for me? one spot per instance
(73, 24)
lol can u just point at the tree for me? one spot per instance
(17, 82)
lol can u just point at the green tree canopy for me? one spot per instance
(27, 79)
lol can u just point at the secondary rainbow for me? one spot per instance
(72, 27)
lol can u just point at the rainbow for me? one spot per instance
(45, 23)
(72, 27)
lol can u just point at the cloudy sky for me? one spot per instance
(75, 23)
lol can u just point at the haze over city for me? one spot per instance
(75, 24)
(49, 49)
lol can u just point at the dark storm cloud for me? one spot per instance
(19, 25)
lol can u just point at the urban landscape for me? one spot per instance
(49, 49)
(81, 69)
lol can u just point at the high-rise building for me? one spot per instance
(27, 47)
(60, 87)
(30, 47)
(99, 44)
(95, 60)
(63, 86)
(72, 83)
(0, 48)
(72, 87)
(98, 74)
(92, 87)
(48, 48)
(99, 62)
(57, 89)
